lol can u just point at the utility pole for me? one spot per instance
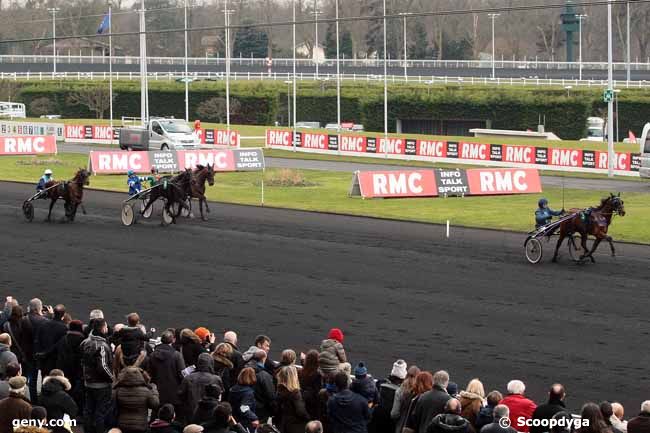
(629, 71)
(493, 17)
(53, 11)
(226, 17)
(580, 18)
(187, 84)
(315, 55)
(110, 64)
(338, 75)
(294, 75)
(610, 95)
(385, 88)
(404, 14)
(144, 91)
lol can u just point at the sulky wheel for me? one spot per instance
(167, 217)
(143, 205)
(128, 214)
(28, 211)
(533, 249)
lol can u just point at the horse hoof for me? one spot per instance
(554, 260)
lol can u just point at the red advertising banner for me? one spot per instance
(221, 160)
(219, 137)
(81, 133)
(28, 145)
(445, 182)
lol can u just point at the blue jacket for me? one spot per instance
(135, 185)
(543, 216)
(243, 397)
(42, 181)
(348, 412)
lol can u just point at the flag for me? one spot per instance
(631, 137)
(104, 25)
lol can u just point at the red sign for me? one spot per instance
(89, 133)
(432, 148)
(221, 160)
(113, 162)
(352, 143)
(565, 157)
(519, 154)
(497, 181)
(479, 151)
(278, 138)
(402, 183)
(314, 141)
(28, 145)
(392, 146)
(621, 161)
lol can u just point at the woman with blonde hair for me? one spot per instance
(472, 400)
(292, 415)
(403, 397)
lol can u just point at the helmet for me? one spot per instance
(130, 173)
(48, 172)
(542, 202)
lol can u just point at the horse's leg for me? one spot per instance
(203, 201)
(611, 245)
(583, 243)
(83, 208)
(593, 249)
(557, 246)
(49, 214)
(150, 201)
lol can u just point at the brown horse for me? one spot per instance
(71, 192)
(172, 191)
(596, 225)
(199, 176)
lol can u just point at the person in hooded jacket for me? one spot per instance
(364, 384)
(554, 405)
(55, 398)
(264, 387)
(222, 421)
(242, 399)
(207, 405)
(165, 366)
(20, 330)
(223, 366)
(191, 347)
(450, 421)
(165, 421)
(486, 414)
(193, 386)
(471, 401)
(133, 396)
(6, 355)
(311, 382)
(332, 354)
(68, 359)
(347, 412)
(292, 414)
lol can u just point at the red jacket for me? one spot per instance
(519, 406)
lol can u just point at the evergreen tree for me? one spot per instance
(345, 42)
(418, 48)
(374, 36)
(250, 40)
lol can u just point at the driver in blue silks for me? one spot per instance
(544, 214)
(134, 182)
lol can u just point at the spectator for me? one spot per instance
(486, 414)
(288, 357)
(223, 422)
(381, 421)
(16, 406)
(608, 412)
(364, 384)
(39, 413)
(264, 389)
(223, 366)
(55, 398)
(262, 342)
(230, 338)
(430, 404)
(19, 328)
(314, 427)
(501, 412)
(38, 322)
(332, 353)
(518, 405)
(207, 404)
(452, 390)
(450, 421)
(640, 423)
(555, 404)
(192, 388)
(10, 303)
(595, 422)
(92, 317)
(191, 347)
(324, 396)
(564, 423)
(49, 335)
(471, 401)
(130, 344)
(403, 396)
(347, 412)
(193, 428)
(6, 355)
(311, 383)
(165, 366)
(12, 370)
(68, 358)
(292, 414)
(242, 399)
(98, 377)
(617, 419)
(207, 338)
(165, 422)
(134, 396)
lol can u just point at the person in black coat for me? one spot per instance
(264, 387)
(486, 414)
(165, 422)
(230, 338)
(347, 412)
(165, 366)
(501, 412)
(191, 347)
(56, 400)
(49, 335)
(242, 399)
(193, 386)
(555, 404)
(311, 382)
(68, 359)
(222, 421)
(430, 404)
(224, 367)
(207, 405)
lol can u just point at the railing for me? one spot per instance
(330, 79)
(532, 64)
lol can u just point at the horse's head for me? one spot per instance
(82, 177)
(618, 206)
(210, 169)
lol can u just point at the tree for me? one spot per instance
(345, 43)
(250, 41)
(8, 90)
(41, 106)
(374, 35)
(419, 48)
(96, 98)
(458, 49)
(214, 109)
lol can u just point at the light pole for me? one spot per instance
(187, 84)
(404, 14)
(226, 17)
(616, 92)
(385, 88)
(629, 72)
(288, 83)
(294, 75)
(144, 109)
(580, 18)
(315, 55)
(110, 64)
(338, 74)
(53, 11)
(493, 17)
(610, 89)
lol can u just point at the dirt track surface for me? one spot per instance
(469, 304)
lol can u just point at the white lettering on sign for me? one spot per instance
(24, 145)
(518, 154)
(397, 184)
(565, 157)
(431, 148)
(392, 145)
(474, 151)
(503, 181)
(102, 133)
(218, 160)
(314, 141)
(620, 161)
(224, 138)
(123, 161)
(279, 138)
(351, 144)
(75, 131)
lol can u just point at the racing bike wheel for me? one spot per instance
(28, 211)
(533, 248)
(575, 248)
(128, 215)
(187, 211)
(167, 217)
(146, 214)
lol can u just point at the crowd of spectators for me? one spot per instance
(121, 379)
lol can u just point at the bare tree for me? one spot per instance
(214, 109)
(95, 98)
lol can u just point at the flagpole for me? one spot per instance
(110, 63)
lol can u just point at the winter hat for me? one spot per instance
(336, 334)
(96, 314)
(452, 388)
(38, 412)
(17, 383)
(202, 333)
(193, 428)
(399, 369)
(360, 370)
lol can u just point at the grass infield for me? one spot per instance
(328, 192)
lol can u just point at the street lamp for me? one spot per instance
(226, 15)
(493, 17)
(616, 92)
(288, 83)
(385, 88)
(610, 90)
(628, 42)
(53, 11)
(580, 18)
(315, 55)
(338, 73)
(187, 84)
(404, 14)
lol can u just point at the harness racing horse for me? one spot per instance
(71, 191)
(173, 192)
(597, 223)
(197, 190)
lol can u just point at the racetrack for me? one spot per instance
(470, 304)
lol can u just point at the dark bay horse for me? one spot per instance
(173, 192)
(596, 225)
(199, 176)
(71, 191)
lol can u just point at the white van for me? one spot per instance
(644, 149)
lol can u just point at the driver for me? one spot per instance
(544, 214)
(134, 182)
(47, 177)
